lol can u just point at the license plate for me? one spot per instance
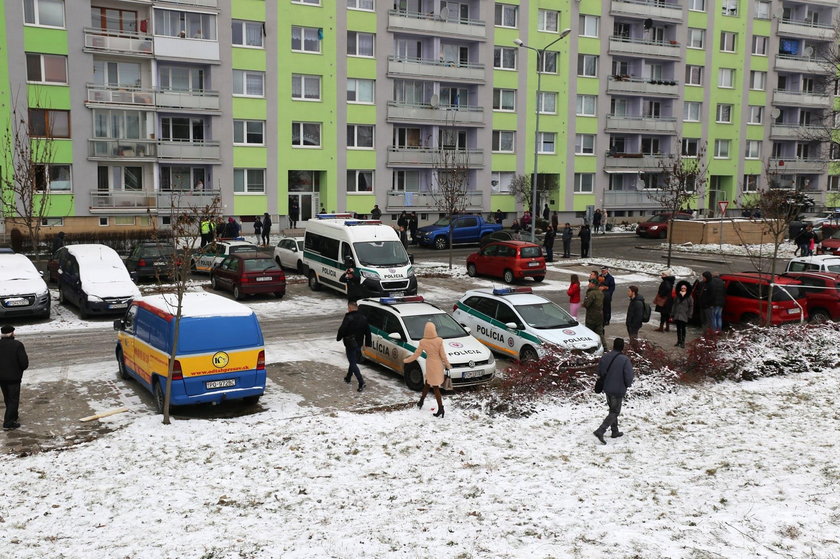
(160, 263)
(264, 278)
(118, 305)
(16, 302)
(472, 374)
(793, 311)
(533, 264)
(397, 293)
(210, 385)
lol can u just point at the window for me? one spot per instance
(406, 181)
(726, 77)
(46, 68)
(753, 149)
(360, 5)
(547, 102)
(360, 44)
(759, 45)
(727, 41)
(750, 183)
(186, 25)
(504, 99)
(762, 9)
(693, 75)
(49, 123)
(724, 113)
(306, 134)
(52, 221)
(306, 39)
(755, 114)
(360, 136)
(729, 8)
(44, 13)
(309, 2)
(115, 73)
(587, 65)
(696, 38)
(178, 177)
(504, 58)
(690, 147)
(548, 21)
(586, 105)
(501, 181)
(588, 25)
(249, 83)
(249, 132)
(177, 78)
(691, 112)
(548, 62)
(53, 178)
(584, 144)
(697, 5)
(306, 87)
(503, 141)
(758, 80)
(722, 149)
(247, 33)
(119, 124)
(584, 183)
(506, 15)
(833, 183)
(248, 181)
(547, 141)
(360, 91)
(359, 181)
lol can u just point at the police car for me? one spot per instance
(517, 323)
(211, 255)
(396, 325)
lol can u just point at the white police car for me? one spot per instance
(396, 325)
(211, 255)
(517, 323)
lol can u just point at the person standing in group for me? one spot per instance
(258, 229)
(206, 230)
(354, 333)
(585, 235)
(713, 299)
(525, 222)
(574, 296)
(682, 310)
(412, 227)
(294, 212)
(402, 221)
(266, 228)
(635, 314)
(548, 243)
(596, 220)
(664, 299)
(594, 305)
(499, 217)
(616, 370)
(353, 279)
(13, 361)
(555, 221)
(806, 240)
(233, 228)
(516, 228)
(375, 213)
(546, 212)
(608, 287)
(566, 236)
(436, 363)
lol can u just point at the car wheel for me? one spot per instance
(752, 319)
(279, 294)
(121, 372)
(508, 277)
(83, 312)
(251, 400)
(663, 234)
(300, 267)
(471, 271)
(61, 298)
(314, 284)
(528, 354)
(277, 259)
(820, 316)
(538, 279)
(237, 294)
(213, 283)
(414, 377)
(160, 396)
(440, 243)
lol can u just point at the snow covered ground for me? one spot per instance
(786, 250)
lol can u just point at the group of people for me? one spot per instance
(262, 228)
(231, 229)
(406, 224)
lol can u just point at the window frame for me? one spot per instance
(578, 186)
(750, 182)
(751, 111)
(48, 128)
(758, 40)
(245, 134)
(500, 14)
(244, 83)
(748, 152)
(580, 104)
(719, 144)
(46, 169)
(756, 74)
(721, 81)
(719, 110)
(243, 23)
(542, 19)
(41, 68)
(355, 43)
(691, 38)
(725, 38)
(547, 139)
(496, 141)
(301, 135)
(584, 22)
(356, 81)
(692, 5)
(687, 112)
(690, 147)
(501, 51)
(302, 29)
(357, 7)
(582, 65)
(247, 171)
(357, 173)
(541, 96)
(303, 79)
(581, 147)
(690, 70)
(355, 145)
(499, 94)
(36, 12)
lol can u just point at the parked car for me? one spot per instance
(511, 235)
(831, 244)
(822, 290)
(151, 260)
(467, 229)
(818, 263)
(23, 291)
(509, 260)
(209, 257)
(747, 294)
(248, 274)
(94, 278)
(657, 226)
(289, 253)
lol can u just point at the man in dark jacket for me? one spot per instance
(608, 287)
(266, 228)
(232, 229)
(585, 235)
(635, 313)
(402, 220)
(13, 361)
(354, 332)
(499, 217)
(804, 239)
(617, 371)
(375, 213)
(58, 241)
(546, 212)
(712, 300)
(548, 243)
(353, 279)
(412, 227)
(566, 236)
(594, 305)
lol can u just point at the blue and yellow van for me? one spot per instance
(220, 354)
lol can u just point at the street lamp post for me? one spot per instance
(540, 56)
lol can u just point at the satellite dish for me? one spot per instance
(435, 101)
(775, 113)
(808, 51)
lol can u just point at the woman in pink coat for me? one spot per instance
(436, 362)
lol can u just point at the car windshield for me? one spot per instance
(793, 291)
(243, 248)
(381, 253)
(530, 252)
(259, 264)
(658, 219)
(445, 324)
(161, 251)
(545, 316)
(833, 268)
(443, 222)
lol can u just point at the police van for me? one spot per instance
(515, 322)
(332, 241)
(396, 325)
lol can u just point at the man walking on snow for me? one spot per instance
(617, 371)
(354, 332)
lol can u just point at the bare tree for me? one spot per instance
(520, 187)
(680, 177)
(452, 174)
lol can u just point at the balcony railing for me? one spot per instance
(436, 24)
(174, 149)
(111, 148)
(434, 157)
(802, 64)
(630, 162)
(122, 200)
(794, 131)
(660, 11)
(426, 201)
(640, 47)
(628, 85)
(451, 115)
(195, 3)
(807, 29)
(665, 125)
(103, 40)
(170, 201)
(800, 98)
(436, 69)
(120, 95)
(192, 100)
(629, 199)
(797, 165)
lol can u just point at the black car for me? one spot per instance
(151, 260)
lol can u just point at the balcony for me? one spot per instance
(431, 157)
(627, 85)
(428, 69)
(795, 165)
(796, 132)
(180, 48)
(172, 201)
(123, 149)
(643, 9)
(189, 100)
(398, 201)
(189, 151)
(105, 41)
(634, 162)
(805, 29)
(647, 49)
(641, 124)
(401, 21)
(445, 115)
(119, 95)
(800, 98)
(802, 64)
(191, 3)
(122, 201)
(630, 200)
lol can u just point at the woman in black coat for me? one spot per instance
(585, 235)
(664, 300)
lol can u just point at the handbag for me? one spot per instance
(599, 384)
(447, 381)
(660, 300)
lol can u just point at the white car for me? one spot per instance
(817, 263)
(22, 289)
(515, 322)
(289, 253)
(396, 325)
(209, 256)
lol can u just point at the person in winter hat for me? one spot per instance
(664, 299)
(635, 314)
(13, 361)
(436, 362)
(682, 310)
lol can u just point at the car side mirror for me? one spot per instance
(395, 336)
(134, 276)
(512, 325)
(467, 329)
(119, 324)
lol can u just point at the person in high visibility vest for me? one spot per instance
(206, 229)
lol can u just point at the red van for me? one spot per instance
(509, 260)
(747, 294)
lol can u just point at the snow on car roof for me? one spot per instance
(515, 298)
(408, 309)
(17, 266)
(197, 305)
(93, 252)
(236, 243)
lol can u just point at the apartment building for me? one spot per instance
(342, 104)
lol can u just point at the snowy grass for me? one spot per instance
(766, 250)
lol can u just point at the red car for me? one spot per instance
(657, 226)
(509, 260)
(746, 299)
(248, 274)
(830, 243)
(822, 290)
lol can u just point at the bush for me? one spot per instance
(122, 241)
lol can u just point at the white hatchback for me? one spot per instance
(817, 263)
(211, 255)
(289, 253)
